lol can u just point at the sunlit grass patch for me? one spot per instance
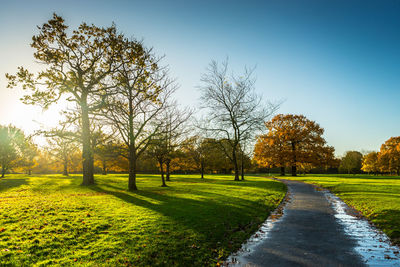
(51, 219)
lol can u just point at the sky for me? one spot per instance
(336, 62)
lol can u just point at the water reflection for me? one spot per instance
(372, 244)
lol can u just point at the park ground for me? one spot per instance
(51, 219)
(376, 197)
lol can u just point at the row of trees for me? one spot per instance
(387, 160)
(123, 111)
(121, 85)
(193, 154)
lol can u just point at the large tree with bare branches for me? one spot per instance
(141, 93)
(235, 112)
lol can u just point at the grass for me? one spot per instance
(52, 220)
(376, 197)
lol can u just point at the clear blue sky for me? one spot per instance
(337, 62)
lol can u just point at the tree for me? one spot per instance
(157, 149)
(62, 149)
(78, 67)
(390, 155)
(196, 152)
(45, 163)
(370, 163)
(12, 142)
(107, 155)
(236, 112)
(293, 140)
(173, 132)
(170, 135)
(271, 151)
(142, 91)
(351, 162)
(29, 152)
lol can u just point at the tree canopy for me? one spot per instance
(292, 140)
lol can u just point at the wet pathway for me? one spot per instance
(314, 230)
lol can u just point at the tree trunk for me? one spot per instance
(294, 167)
(202, 170)
(65, 171)
(87, 153)
(282, 171)
(167, 164)
(29, 172)
(132, 170)
(162, 173)
(294, 170)
(104, 169)
(242, 168)
(3, 172)
(235, 164)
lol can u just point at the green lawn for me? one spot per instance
(51, 219)
(376, 197)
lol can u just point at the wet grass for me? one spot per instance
(376, 197)
(52, 220)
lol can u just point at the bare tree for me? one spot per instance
(142, 90)
(172, 131)
(235, 112)
(63, 142)
(62, 149)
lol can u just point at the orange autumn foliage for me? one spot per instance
(293, 140)
(389, 155)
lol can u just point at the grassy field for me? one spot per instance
(376, 197)
(53, 220)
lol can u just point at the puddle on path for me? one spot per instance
(372, 244)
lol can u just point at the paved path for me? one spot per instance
(307, 235)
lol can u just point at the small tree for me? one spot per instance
(62, 149)
(197, 151)
(171, 134)
(107, 154)
(29, 152)
(12, 142)
(370, 163)
(351, 162)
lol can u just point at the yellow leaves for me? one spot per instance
(388, 158)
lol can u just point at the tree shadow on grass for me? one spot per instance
(201, 191)
(212, 216)
(7, 184)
